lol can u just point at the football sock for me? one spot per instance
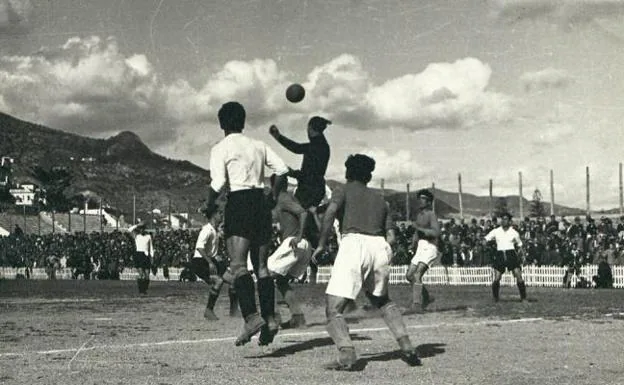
(338, 330)
(417, 293)
(495, 289)
(213, 294)
(394, 320)
(246, 295)
(266, 294)
(522, 289)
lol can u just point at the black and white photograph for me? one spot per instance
(311, 192)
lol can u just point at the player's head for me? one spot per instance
(232, 117)
(505, 219)
(316, 126)
(359, 168)
(425, 197)
(211, 212)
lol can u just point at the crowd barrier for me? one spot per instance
(544, 276)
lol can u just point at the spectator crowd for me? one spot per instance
(546, 242)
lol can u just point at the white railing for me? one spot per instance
(545, 276)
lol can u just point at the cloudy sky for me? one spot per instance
(430, 90)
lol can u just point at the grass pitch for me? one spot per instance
(102, 332)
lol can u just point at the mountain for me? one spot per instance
(120, 167)
(115, 169)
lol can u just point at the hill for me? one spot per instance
(120, 167)
(114, 169)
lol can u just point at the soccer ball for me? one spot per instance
(295, 93)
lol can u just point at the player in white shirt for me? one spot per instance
(209, 265)
(241, 162)
(507, 240)
(143, 256)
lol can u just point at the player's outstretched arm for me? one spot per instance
(290, 145)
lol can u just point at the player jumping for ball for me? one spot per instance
(311, 176)
(426, 240)
(362, 261)
(507, 239)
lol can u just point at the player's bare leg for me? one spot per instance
(213, 295)
(238, 248)
(517, 272)
(228, 278)
(420, 295)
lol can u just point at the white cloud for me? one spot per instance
(396, 168)
(443, 95)
(545, 79)
(86, 86)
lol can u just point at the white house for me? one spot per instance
(24, 194)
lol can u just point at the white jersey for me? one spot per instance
(505, 240)
(207, 240)
(144, 244)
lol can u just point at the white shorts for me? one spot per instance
(288, 261)
(363, 261)
(426, 252)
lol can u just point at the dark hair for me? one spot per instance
(426, 193)
(319, 123)
(506, 215)
(360, 168)
(232, 116)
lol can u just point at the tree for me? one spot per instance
(537, 208)
(54, 183)
(501, 207)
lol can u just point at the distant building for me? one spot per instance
(5, 171)
(25, 194)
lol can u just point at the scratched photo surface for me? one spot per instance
(489, 90)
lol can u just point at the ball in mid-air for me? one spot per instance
(295, 93)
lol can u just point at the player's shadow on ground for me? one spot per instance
(424, 351)
(515, 300)
(409, 311)
(306, 345)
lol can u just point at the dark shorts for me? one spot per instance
(201, 268)
(142, 261)
(310, 194)
(248, 215)
(507, 259)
